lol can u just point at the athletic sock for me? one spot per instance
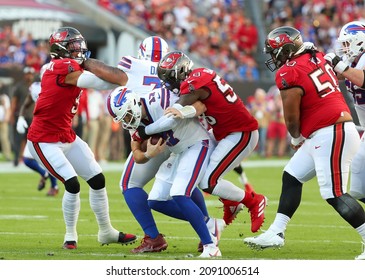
(195, 217)
(136, 199)
(71, 210)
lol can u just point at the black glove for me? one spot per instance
(142, 133)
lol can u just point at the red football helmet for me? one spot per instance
(174, 68)
(282, 44)
(67, 42)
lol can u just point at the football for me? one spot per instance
(154, 139)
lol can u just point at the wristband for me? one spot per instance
(186, 111)
(341, 67)
(297, 141)
(146, 155)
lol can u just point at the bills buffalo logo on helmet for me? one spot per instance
(118, 100)
(279, 41)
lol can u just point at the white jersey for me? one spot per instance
(34, 90)
(357, 92)
(185, 133)
(142, 74)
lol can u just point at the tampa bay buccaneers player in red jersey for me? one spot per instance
(323, 133)
(55, 145)
(235, 129)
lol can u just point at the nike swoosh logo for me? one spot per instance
(316, 147)
(282, 74)
(67, 62)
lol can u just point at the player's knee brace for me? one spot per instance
(97, 182)
(72, 185)
(291, 195)
(349, 209)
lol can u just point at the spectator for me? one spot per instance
(105, 130)
(276, 131)
(21, 91)
(96, 108)
(4, 124)
(260, 110)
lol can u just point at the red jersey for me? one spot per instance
(322, 102)
(56, 105)
(225, 112)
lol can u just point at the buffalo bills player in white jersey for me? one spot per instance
(352, 50)
(21, 127)
(52, 141)
(323, 134)
(142, 78)
(190, 146)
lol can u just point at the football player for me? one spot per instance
(352, 48)
(190, 146)
(54, 144)
(236, 133)
(323, 134)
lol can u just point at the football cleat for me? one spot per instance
(256, 204)
(210, 251)
(121, 238)
(151, 245)
(268, 239)
(70, 245)
(52, 192)
(230, 210)
(361, 256)
(215, 227)
(42, 182)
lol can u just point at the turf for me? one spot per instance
(32, 227)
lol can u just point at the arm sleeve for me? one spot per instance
(162, 124)
(89, 80)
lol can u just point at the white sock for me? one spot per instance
(227, 190)
(361, 231)
(71, 210)
(280, 223)
(100, 206)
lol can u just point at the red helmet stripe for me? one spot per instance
(156, 49)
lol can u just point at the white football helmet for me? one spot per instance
(351, 41)
(153, 48)
(125, 107)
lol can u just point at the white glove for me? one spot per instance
(21, 125)
(338, 65)
(309, 46)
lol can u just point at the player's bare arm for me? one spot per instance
(108, 73)
(356, 76)
(291, 99)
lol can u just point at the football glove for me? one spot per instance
(338, 65)
(21, 125)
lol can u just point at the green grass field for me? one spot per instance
(32, 227)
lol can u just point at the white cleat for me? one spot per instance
(362, 256)
(215, 228)
(268, 239)
(210, 251)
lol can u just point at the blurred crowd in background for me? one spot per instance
(219, 32)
